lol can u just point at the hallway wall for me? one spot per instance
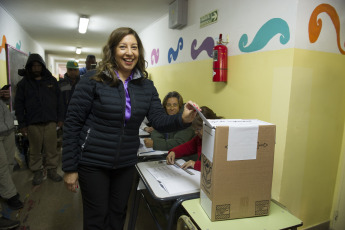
(13, 34)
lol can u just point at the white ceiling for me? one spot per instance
(54, 23)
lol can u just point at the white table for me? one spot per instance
(155, 190)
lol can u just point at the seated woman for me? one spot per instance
(173, 104)
(193, 146)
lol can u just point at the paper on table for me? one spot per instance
(143, 148)
(175, 180)
(144, 151)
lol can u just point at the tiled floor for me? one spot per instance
(50, 206)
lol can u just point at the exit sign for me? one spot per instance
(209, 18)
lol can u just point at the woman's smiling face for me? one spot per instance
(172, 107)
(126, 54)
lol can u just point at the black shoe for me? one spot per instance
(38, 177)
(6, 224)
(52, 174)
(14, 203)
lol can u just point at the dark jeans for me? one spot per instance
(105, 194)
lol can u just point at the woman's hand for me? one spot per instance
(148, 143)
(171, 158)
(188, 164)
(71, 181)
(189, 112)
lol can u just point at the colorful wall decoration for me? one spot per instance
(265, 34)
(315, 24)
(3, 43)
(172, 54)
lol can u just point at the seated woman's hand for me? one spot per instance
(188, 164)
(171, 158)
(148, 129)
(148, 143)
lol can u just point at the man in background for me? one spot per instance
(39, 111)
(8, 190)
(68, 83)
(67, 86)
(90, 64)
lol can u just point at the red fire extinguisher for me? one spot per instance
(220, 61)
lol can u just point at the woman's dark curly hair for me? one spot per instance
(208, 113)
(108, 63)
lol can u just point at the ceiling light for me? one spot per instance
(83, 22)
(78, 50)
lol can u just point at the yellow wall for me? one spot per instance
(3, 73)
(314, 135)
(301, 92)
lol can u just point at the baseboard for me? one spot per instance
(322, 226)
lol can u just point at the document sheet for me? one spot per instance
(144, 151)
(175, 180)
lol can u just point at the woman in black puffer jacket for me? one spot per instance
(101, 140)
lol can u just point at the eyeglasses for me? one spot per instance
(172, 105)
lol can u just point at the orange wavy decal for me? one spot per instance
(315, 24)
(3, 43)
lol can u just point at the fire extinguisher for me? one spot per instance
(220, 61)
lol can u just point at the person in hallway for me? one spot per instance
(39, 111)
(173, 104)
(68, 83)
(194, 145)
(8, 190)
(90, 63)
(101, 130)
(67, 86)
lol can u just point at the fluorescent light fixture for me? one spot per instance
(78, 50)
(83, 22)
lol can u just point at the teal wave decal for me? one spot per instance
(265, 34)
(19, 45)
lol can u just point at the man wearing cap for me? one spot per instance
(39, 111)
(67, 85)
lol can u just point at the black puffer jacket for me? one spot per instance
(94, 129)
(38, 101)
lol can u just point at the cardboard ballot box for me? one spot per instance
(236, 168)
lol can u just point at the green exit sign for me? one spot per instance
(209, 18)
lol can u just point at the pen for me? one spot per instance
(162, 185)
(186, 170)
(147, 152)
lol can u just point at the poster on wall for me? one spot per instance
(15, 60)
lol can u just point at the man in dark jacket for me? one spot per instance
(68, 83)
(39, 111)
(67, 86)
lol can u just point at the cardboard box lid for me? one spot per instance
(230, 122)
